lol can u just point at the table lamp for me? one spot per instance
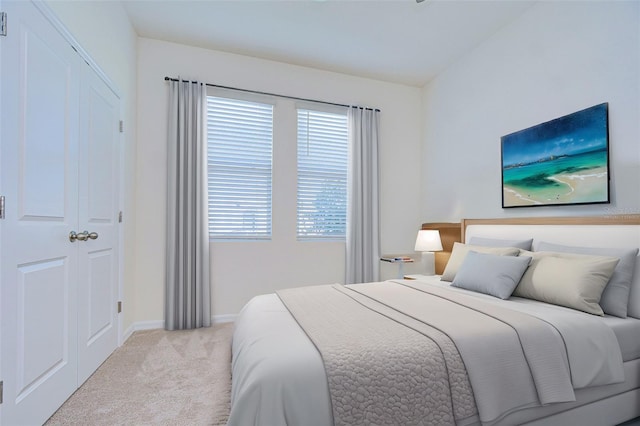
(427, 242)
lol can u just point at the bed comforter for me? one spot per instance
(415, 354)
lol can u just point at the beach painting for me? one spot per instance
(562, 161)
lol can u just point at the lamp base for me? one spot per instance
(428, 261)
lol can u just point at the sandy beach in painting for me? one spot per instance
(578, 187)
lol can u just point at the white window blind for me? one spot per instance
(322, 175)
(240, 142)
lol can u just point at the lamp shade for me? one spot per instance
(428, 240)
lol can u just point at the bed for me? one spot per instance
(428, 352)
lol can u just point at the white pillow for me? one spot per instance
(460, 251)
(490, 273)
(572, 280)
(615, 297)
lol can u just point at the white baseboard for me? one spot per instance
(141, 325)
(127, 333)
(218, 319)
(149, 325)
(153, 325)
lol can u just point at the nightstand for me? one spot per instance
(400, 260)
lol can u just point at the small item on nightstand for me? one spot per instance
(399, 259)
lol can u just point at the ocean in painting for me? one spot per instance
(562, 161)
(564, 179)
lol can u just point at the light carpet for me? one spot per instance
(158, 377)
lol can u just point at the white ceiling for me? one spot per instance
(400, 41)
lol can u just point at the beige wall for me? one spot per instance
(104, 31)
(241, 270)
(440, 152)
(559, 57)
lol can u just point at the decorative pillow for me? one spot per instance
(494, 242)
(491, 273)
(460, 251)
(615, 297)
(572, 280)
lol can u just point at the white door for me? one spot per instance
(39, 178)
(98, 195)
(58, 173)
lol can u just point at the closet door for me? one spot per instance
(39, 179)
(98, 215)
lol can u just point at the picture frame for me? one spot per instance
(564, 161)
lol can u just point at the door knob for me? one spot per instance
(83, 236)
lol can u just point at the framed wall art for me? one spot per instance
(564, 161)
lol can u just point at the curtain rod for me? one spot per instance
(272, 94)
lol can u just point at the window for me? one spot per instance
(322, 175)
(240, 142)
(240, 132)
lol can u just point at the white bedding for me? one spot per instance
(585, 370)
(288, 384)
(627, 331)
(279, 377)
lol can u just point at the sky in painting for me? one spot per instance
(576, 133)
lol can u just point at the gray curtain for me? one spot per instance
(187, 292)
(363, 239)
